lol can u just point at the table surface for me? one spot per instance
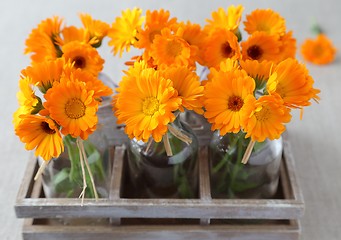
(314, 139)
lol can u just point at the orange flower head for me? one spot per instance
(155, 22)
(219, 46)
(83, 56)
(265, 20)
(187, 84)
(27, 100)
(145, 103)
(123, 32)
(259, 71)
(261, 46)
(293, 83)
(44, 74)
(224, 98)
(97, 29)
(288, 47)
(228, 19)
(171, 49)
(194, 36)
(318, 51)
(265, 117)
(91, 82)
(42, 134)
(75, 110)
(42, 40)
(72, 33)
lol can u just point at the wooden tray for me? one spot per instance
(200, 218)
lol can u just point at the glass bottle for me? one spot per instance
(153, 174)
(257, 179)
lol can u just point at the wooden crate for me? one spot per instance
(200, 218)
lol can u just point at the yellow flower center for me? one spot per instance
(75, 108)
(46, 128)
(173, 48)
(235, 103)
(255, 52)
(150, 105)
(263, 114)
(226, 50)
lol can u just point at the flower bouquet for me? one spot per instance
(59, 97)
(245, 89)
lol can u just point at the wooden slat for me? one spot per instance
(204, 181)
(288, 231)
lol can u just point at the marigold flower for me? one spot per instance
(194, 36)
(42, 134)
(293, 83)
(97, 29)
(228, 19)
(83, 56)
(265, 117)
(42, 40)
(318, 51)
(187, 83)
(75, 110)
(145, 103)
(288, 47)
(27, 100)
(259, 71)
(171, 49)
(261, 46)
(224, 98)
(123, 32)
(155, 22)
(44, 74)
(41, 46)
(265, 20)
(91, 82)
(219, 46)
(72, 33)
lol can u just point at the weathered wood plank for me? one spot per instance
(283, 231)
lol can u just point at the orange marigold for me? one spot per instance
(261, 46)
(83, 56)
(42, 134)
(228, 19)
(145, 103)
(318, 51)
(265, 20)
(224, 98)
(155, 22)
(171, 49)
(123, 32)
(292, 82)
(265, 117)
(219, 46)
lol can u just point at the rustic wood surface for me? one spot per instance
(314, 140)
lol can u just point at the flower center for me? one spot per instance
(235, 103)
(46, 128)
(263, 114)
(255, 52)
(79, 62)
(318, 50)
(150, 105)
(173, 48)
(75, 108)
(153, 34)
(226, 50)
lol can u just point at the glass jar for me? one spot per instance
(153, 174)
(257, 179)
(62, 177)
